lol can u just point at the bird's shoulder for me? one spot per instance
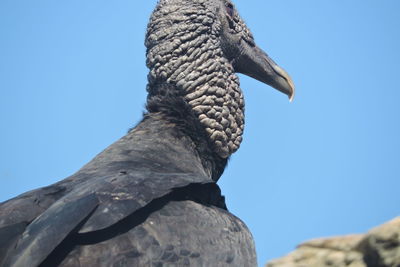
(126, 177)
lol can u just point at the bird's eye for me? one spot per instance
(230, 10)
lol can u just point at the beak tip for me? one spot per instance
(286, 84)
(291, 96)
(292, 87)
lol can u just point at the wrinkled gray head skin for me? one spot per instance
(199, 45)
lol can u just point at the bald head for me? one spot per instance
(198, 46)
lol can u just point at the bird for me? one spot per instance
(152, 198)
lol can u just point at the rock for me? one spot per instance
(332, 252)
(380, 247)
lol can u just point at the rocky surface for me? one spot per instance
(380, 247)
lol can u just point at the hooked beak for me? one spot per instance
(255, 63)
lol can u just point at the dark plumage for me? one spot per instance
(151, 198)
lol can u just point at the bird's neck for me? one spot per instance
(172, 112)
(188, 56)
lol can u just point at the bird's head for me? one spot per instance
(247, 58)
(199, 46)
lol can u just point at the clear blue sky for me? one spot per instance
(73, 76)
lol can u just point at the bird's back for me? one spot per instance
(145, 200)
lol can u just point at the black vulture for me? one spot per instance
(151, 198)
